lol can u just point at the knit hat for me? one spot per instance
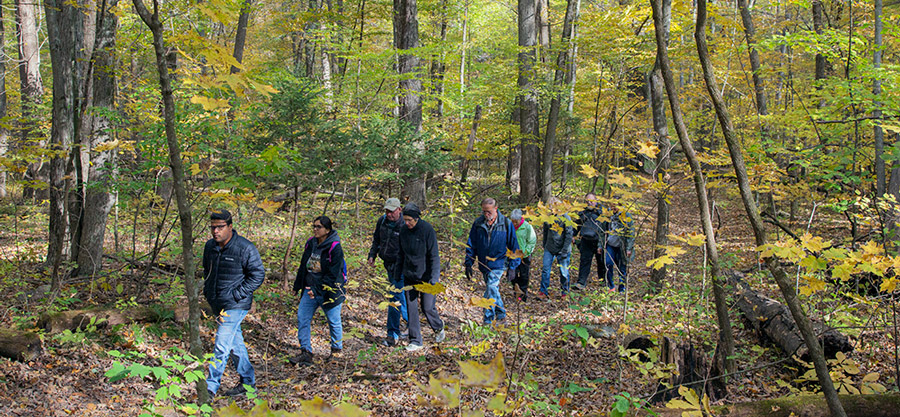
(412, 210)
(220, 214)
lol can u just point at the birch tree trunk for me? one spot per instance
(737, 158)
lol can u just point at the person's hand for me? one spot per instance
(469, 272)
(371, 262)
(600, 250)
(628, 254)
(309, 292)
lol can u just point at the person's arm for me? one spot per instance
(530, 240)
(376, 241)
(433, 256)
(401, 257)
(470, 252)
(300, 280)
(335, 271)
(512, 244)
(254, 273)
(568, 235)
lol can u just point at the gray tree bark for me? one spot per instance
(470, 146)
(4, 132)
(30, 83)
(178, 179)
(99, 198)
(561, 78)
(759, 88)
(240, 36)
(542, 22)
(529, 126)
(876, 90)
(759, 232)
(406, 37)
(663, 161)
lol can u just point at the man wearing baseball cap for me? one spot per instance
(386, 245)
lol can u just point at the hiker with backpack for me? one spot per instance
(619, 248)
(592, 232)
(557, 245)
(320, 282)
(386, 245)
(419, 262)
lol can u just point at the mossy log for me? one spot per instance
(19, 345)
(882, 405)
(774, 322)
(103, 318)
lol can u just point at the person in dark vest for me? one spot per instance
(320, 282)
(490, 237)
(591, 232)
(386, 245)
(557, 246)
(232, 271)
(419, 262)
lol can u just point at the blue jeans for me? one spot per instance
(492, 290)
(396, 295)
(615, 265)
(305, 310)
(230, 341)
(562, 260)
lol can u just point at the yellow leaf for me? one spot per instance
(269, 206)
(871, 377)
(589, 171)
(888, 284)
(518, 254)
(481, 302)
(872, 248)
(660, 262)
(648, 148)
(195, 169)
(814, 243)
(211, 104)
(433, 289)
(317, 407)
(483, 375)
(620, 179)
(480, 348)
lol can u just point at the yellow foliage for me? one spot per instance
(269, 206)
(814, 243)
(483, 375)
(211, 104)
(481, 302)
(433, 289)
(589, 171)
(648, 148)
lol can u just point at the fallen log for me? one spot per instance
(774, 322)
(103, 318)
(882, 405)
(19, 345)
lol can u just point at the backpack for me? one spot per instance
(330, 249)
(590, 229)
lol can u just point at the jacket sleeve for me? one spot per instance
(512, 243)
(254, 273)
(335, 275)
(376, 241)
(545, 231)
(568, 234)
(401, 258)
(578, 223)
(434, 257)
(300, 280)
(530, 241)
(470, 253)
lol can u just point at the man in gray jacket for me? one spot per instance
(558, 246)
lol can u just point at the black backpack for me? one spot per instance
(591, 229)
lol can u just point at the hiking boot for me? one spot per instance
(304, 358)
(577, 286)
(440, 336)
(238, 389)
(336, 353)
(413, 347)
(542, 296)
(390, 341)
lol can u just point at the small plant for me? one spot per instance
(80, 336)
(626, 402)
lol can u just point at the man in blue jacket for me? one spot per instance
(491, 236)
(232, 270)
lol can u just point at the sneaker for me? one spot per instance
(440, 336)
(238, 389)
(304, 358)
(577, 286)
(390, 341)
(413, 347)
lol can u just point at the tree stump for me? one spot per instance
(20, 346)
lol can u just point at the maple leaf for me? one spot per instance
(488, 375)
(814, 243)
(888, 284)
(813, 285)
(620, 179)
(660, 262)
(518, 254)
(433, 289)
(195, 169)
(648, 148)
(269, 206)
(589, 171)
(481, 302)
(872, 248)
(842, 271)
(317, 407)
(211, 104)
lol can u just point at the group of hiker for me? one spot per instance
(498, 246)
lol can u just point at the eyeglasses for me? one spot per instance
(318, 226)
(217, 227)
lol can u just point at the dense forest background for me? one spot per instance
(755, 145)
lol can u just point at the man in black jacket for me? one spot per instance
(419, 262)
(386, 245)
(232, 270)
(592, 230)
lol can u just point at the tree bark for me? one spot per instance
(99, 198)
(737, 158)
(30, 83)
(542, 22)
(240, 36)
(661, 127)
(4, 132)
(759, 88)
(20, 346)
(63, 28)
(184, 209)
(438, 64)
(406, 37)
(818, 11)
(726, 337)
(559, 81)
(470, 147)
(529, 126)
(876, 90)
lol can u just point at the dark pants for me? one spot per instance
(426, 303)
(588, 249)
(616, 265)
(522, 275)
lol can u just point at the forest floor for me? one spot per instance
(553, 370)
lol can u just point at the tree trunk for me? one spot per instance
(184, 209)
(514, 157)
(20, 346)
(818, 11)
(762, 107)
(529, 126)
(64, 31)
(406, 37)
(876, 90)
(559, 81)
(542, 22)
(99, 198)
(4, 132)
(470, 147)
(726, 337)
(240, 36)
(737, 158)
(661, 127)
(30, 84)
(438, 64)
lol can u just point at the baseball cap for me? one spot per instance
(392, 204)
